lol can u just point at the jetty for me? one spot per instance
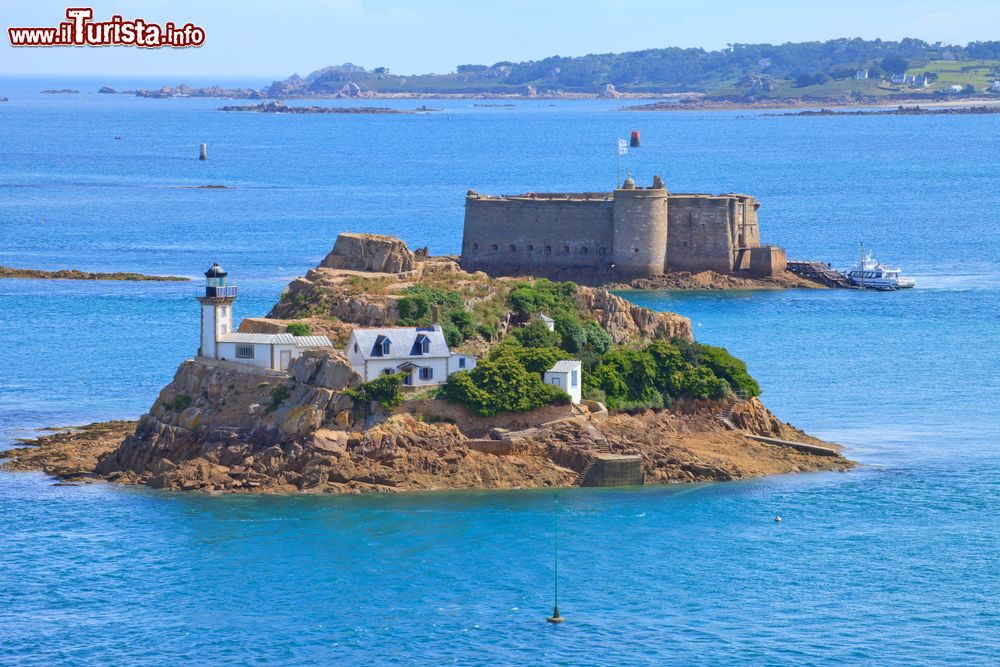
(821, 273)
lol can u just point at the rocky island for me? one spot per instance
(276, 106)
(74, 274)
(657, 406)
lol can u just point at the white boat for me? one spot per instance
(871, 274)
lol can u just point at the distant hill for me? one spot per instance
(738, 71)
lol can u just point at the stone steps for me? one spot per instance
(582, 475)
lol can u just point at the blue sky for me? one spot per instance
(273, 38)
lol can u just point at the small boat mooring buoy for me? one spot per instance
(203, 154)
(777, 519)
(555, 617)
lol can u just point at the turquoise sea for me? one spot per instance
(897, 562)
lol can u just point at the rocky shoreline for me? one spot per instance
(73, 274)
(899, 111)
(222, 427)
(712, 280)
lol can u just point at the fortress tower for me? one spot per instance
(639, 229)
(216, 310)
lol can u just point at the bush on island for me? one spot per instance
(632, 378)
(729, 368)
(501, 384)
(385, 389)
(298, 329)
(536, 334)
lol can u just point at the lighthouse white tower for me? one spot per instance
(216, 310)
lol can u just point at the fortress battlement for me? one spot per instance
(632, 232)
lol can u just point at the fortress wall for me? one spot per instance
(508, 235)
(701, 233)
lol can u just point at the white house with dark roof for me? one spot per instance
(219, 341)
(420, 352)
(567, 376)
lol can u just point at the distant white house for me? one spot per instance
(219, 341)
(995, 88)
(861, 74)
(549, 322)
(420, 352)
(955, 88)
(567, 376)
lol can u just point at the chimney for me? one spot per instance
(435, 313)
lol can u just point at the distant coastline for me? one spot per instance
(73, 274)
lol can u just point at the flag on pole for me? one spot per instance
(622, 147)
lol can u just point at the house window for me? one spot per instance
(565, 249)
(574, 378)
(531, 248)
(426, 373)
(244, 351)
(461, 362)
(387, 371)
(494, 247)
(583, 251)
(513, 248)
(423, 345)
(602, 251)
(475, 246)
(356, 348)
(385, 347)
(548, 250)
(224, 328)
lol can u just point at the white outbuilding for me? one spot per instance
(420, 352)
(567, 376)
(219, 341)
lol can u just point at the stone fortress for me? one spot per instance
(630, 233)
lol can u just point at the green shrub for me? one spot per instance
(298, 329)
(597, 338)
(701, 382)
(542, 296)
(729, 368)
(499, 385)
(385, 389)
(572, 332)
(181, 402)
(534, 359)
(536, 334)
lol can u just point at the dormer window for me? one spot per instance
(423, 344)
(385, 347)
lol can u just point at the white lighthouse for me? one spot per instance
(216, 310)
(274, 351)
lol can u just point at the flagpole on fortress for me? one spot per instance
(622, 150)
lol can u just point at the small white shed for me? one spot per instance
(567, 376)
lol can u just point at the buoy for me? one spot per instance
(777, 519)
(203, 155)
(555, 617)
(634, 141)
